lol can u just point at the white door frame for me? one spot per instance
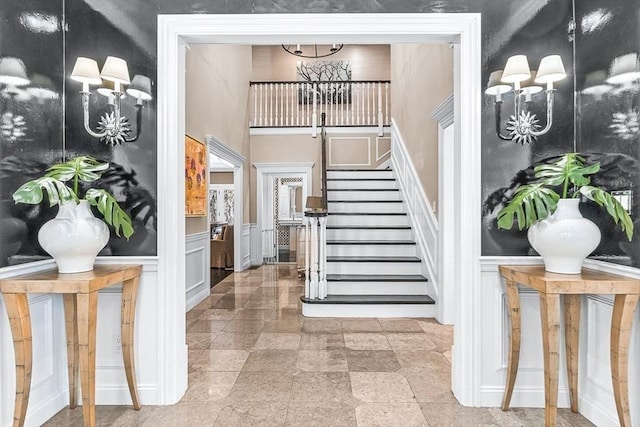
(463, 29)
(225, 152)
(267, 171)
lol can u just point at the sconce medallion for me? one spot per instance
(523, 130)
(115, 130)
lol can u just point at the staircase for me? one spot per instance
(373, 268)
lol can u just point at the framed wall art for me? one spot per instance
(195, 177)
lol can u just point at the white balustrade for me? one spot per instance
(315, 284)
(299, 104)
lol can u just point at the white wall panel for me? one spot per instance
(197, 268)
(596, 400)
(246, 246)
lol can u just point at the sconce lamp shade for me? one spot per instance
(107, 88)
(140, 88)
(314, 203)
(516, 70)
(115, 69)
(86, 71)
(595, 83)
(551, 69)
(529, 86)
(13, 72)
(42, 87)
(495, 85)
(624, 69)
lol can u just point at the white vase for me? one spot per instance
(74, 237)
(565, 238)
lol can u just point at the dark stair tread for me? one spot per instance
(369, 227)
(373, 259)
(363, 189)
(376, 278)
(361, 179)
(370, 242)
(365, 201)
(359, 170)
(371, 299)
(369, 213)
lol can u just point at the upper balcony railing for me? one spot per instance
(300, 104)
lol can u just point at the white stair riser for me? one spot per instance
(362, 184)
(373, 220)
(373, 267)
(373, 174)
(377, 288)
(368, 310)
(363, 195)
(373, 234)
(366, 207)
(371, 250)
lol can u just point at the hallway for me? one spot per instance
(254, 360)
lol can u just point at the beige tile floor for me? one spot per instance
(255, 361)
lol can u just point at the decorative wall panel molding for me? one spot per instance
(383, 147)
(246, 246)
(349, 151)
(197, 263)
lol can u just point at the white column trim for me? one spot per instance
(217, 147)
(175, 31)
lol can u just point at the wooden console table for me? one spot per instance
(80, 294)
(550, 286)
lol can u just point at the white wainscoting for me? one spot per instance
(49, 390)
(198, 268)
(246, 246)
(256, 252)
(596, 400)
(424, 224)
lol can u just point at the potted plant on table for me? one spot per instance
(557, 229)
(75, 236)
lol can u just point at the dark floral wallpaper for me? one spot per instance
(41, 126)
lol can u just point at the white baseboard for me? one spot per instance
(522, 397)
(36, 416)
(198, 298)
(364, 310)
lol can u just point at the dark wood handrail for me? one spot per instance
(317, 82)
(323, 134)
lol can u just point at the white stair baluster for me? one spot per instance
(386, 101)
(380, 124)
(314, 280)
(322, 261)
(307, 265)
(314, 117)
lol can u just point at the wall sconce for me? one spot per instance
(13, 75)
(624, 69)
(113, 127)
(523, 126)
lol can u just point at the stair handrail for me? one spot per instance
(323, 134)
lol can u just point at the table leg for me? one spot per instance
(87, 305)
(621, 323)
(129, 294)
(550, 313)
(514, 341)
(18, 310)
(572, 339)
(71, 324)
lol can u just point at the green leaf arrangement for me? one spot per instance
(536, 201)
(56, 182)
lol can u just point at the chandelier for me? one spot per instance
(523, 126)
(312, 50)
(113, 128)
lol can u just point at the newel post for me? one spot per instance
(316, 255)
